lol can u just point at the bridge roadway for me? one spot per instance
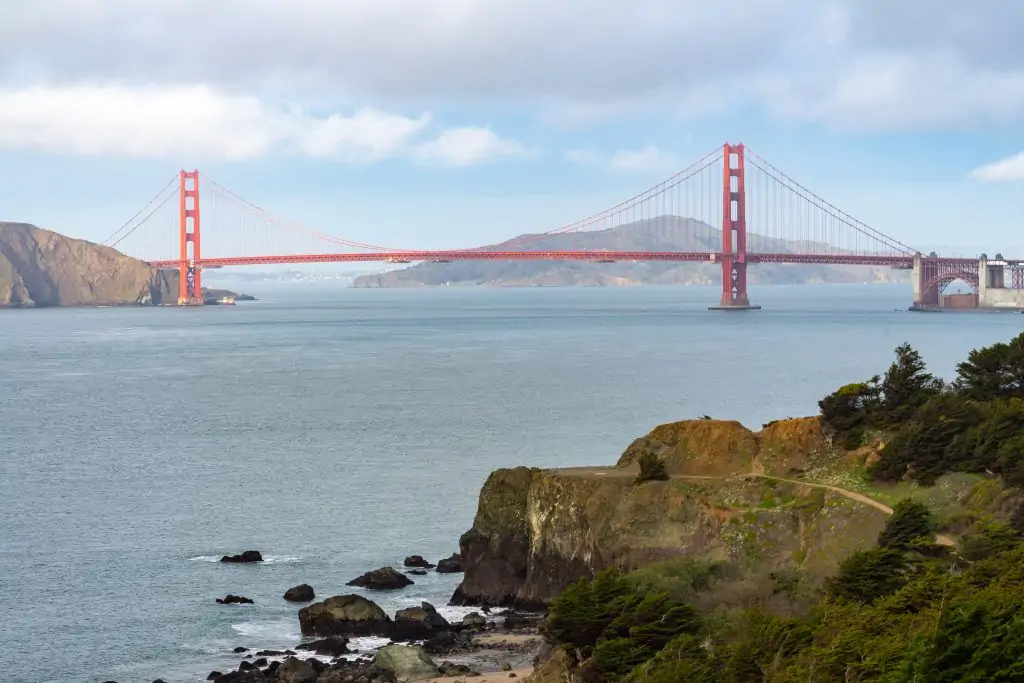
(894, 261)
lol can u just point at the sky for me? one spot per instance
(453, 123)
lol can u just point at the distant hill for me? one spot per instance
(650, 235)
(41, 268)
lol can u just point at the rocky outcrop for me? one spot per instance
(301, 593)
(536, 531)
(418, 623)
(383, 579)
(496, 550)
(332, 646)
(41, 268)
(234, 600)
(450, 565)
(343, 615)
(244, 558)
(417, 562)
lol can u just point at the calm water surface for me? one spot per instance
(339, 430)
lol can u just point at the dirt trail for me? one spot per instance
(629, 472)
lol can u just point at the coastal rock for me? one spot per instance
(537, 531)
(294, 670)
(385, 578)
(234, 600)
(416, 572)
(450, 670)
(332, 646)
(246, 557)
(474, 620)
(406, 663)
(417, 562)
(417, 623)
(300, 593)
(496, 549)
(41, 268)
(450, 565)
(252, 676)
(344, 615)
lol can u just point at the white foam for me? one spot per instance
(282, 631)
(367, 644)
(267, 559)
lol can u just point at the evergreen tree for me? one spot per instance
(910, 521)
(905, 387)
(992, 372)
(868, 575)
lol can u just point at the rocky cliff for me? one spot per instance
(733, 498)
(40, 268)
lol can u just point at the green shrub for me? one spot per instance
(652, 468)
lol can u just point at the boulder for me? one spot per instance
(417, 562)
(416, 572)
(385, 578)
(406, 663)
(293, 670)
(450, 565)
(300, 593)
(450, 670)
(418, 623)
(247, 556)
(234, 600)
(332, 646)
(474, 620)
(344, 615)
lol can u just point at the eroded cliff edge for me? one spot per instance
(41, 268)
(734, 497)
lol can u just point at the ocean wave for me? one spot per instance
(270, 633)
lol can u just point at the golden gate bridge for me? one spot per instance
(731, 208)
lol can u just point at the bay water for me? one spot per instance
(338, 430)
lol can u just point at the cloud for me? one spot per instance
(200, 122)
(849, 64)
(470, 146)
(1009, 169)
(650, 159)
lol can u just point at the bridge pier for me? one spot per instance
(992, 290)
(190, 286)
(734, 233)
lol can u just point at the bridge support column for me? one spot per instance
(917, 280)
(734, 233)
(190, 288)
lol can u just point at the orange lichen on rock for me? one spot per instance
(786, 446)
(698, 447)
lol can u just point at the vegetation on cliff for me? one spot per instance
(906, 608)
(930, 428)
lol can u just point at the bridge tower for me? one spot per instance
(734, 232)
(189, 281)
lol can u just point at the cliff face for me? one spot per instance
(728, 500)
(42, 268)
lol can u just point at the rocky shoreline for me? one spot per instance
(421, 644)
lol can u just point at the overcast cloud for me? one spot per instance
(861, 65)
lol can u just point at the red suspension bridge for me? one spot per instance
(731, 208)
